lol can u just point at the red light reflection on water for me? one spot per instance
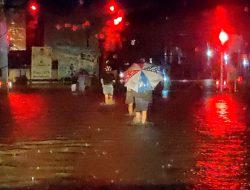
(27, 111)
(221, 144)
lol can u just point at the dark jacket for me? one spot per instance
(108, 78)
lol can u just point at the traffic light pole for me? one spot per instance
(221, 70)
(223, 37)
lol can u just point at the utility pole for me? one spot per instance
(4, 45)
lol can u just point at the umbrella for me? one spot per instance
(142, 77)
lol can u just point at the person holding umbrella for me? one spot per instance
(142, 78)
(130, 100)
(142, 101)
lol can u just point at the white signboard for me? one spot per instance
(67, 65)
(41, 63)
(88, 62)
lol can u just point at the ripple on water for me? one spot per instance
(221, 144)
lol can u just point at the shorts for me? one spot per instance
(129, 97)
(108, 89)
(147, 96)
(141, 104)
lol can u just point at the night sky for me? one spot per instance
(155, 23)
(170, 7)
(158, 23)
(138, 11)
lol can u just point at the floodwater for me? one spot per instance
(50, 137)
(222, 146)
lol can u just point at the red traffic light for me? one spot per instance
(112, 8)
(223, 36)
(118, 20)
(33, 6)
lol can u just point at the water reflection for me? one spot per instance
(28, 112)
(221, 145)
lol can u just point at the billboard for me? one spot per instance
(88, 62)
(70, 63)
(41, 63)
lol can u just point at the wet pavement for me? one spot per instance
(53, 139)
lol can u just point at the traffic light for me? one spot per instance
(112, 8)
(223, 36)
(115, 14)
(33, 8)
(34, 24)
(118, 20)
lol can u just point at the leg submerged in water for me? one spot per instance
(110, 99)
(144, 117)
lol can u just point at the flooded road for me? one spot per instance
(49, 137)
(222, 145)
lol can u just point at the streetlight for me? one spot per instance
(209, 54)
(223, 37)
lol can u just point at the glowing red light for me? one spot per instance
(112, 8)
(220, 20)
(117, 20)
(101, 36)
(223, 36)
(240, 79)
(86, 24)
(33, 7)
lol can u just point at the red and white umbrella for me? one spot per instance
(142, 77)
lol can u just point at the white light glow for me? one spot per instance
(245, 62)
(121, 74)
(132, 42)
(209, 53)
(223, 37)
(226, 57)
